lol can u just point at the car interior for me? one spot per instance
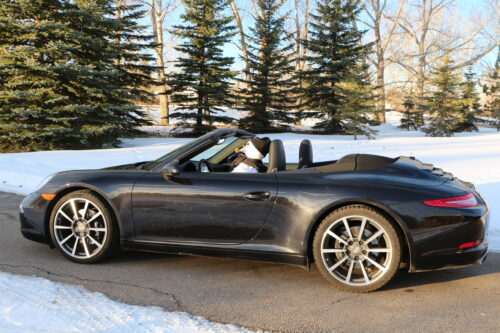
(219, 157)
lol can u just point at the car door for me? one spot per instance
(223, 208)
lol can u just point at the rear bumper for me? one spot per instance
(436, 233)
(453, 259)
(32, 217)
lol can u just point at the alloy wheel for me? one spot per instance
(356, 250)
(80, 228)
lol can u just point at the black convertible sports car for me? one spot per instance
(360, 218)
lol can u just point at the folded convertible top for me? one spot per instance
(354, 162)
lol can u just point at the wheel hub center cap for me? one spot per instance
(356, 250)
(81, 228)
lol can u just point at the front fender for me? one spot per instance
(113, 187)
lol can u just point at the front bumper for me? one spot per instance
(32, 217)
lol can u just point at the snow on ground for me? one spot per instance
(32, 304)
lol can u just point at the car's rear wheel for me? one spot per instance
(82, 228)
(357, 249)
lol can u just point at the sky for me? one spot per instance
(465, 8)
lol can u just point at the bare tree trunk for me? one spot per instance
(241, 32)
(380, 65)
(421, 79)
(298, 38)
(300, 49)
(157, 26)
(158, 13)
(380, 104)
(376, 10)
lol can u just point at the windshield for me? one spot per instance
(214, 150)
(151, 165)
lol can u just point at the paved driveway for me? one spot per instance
(268, 296)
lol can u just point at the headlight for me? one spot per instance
(44, 182)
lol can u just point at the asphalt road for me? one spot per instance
(266, 296)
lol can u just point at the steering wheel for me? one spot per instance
(204, 166)
(232, 157)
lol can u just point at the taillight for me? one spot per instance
(468, 200)
(469, 244)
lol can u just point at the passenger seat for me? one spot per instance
(305, 154)
(277, 158)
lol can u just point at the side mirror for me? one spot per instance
(171, 169)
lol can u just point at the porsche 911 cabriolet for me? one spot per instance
(359, 218)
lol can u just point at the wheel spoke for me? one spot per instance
(99, 245)
(374, 236)
(65, 239)
(347, 228)
(332, 250)
(380, 250)
(348, 277)
(338, 264)
(94, 217)
(62, 227)
(367, 280)
(98, 229)
(73, 207)
(74, 247)
(376, 264)
(85, 209)
(66, 216)
(362, 229)
(85, 247)
(336, 237)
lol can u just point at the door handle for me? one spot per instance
(257, 196)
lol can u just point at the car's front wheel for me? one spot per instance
(82, 228)
(357, 249)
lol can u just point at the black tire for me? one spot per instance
(102, 229)
(352, 250)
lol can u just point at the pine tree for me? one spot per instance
(410, 119)
(61, 84)
(443, 104)
(493, 92)
(268, 87)
(202, 84)
(419, 115)
(470, 105)
(360, 103)
(334, 62)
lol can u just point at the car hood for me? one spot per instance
(130, 166)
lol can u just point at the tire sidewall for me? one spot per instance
(108, 242)
(372, 214)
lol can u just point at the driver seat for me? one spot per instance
(277, 158)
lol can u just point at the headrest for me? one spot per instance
(277, 158)
(305, 154)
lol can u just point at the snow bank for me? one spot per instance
(31, 304)
(473, 157)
